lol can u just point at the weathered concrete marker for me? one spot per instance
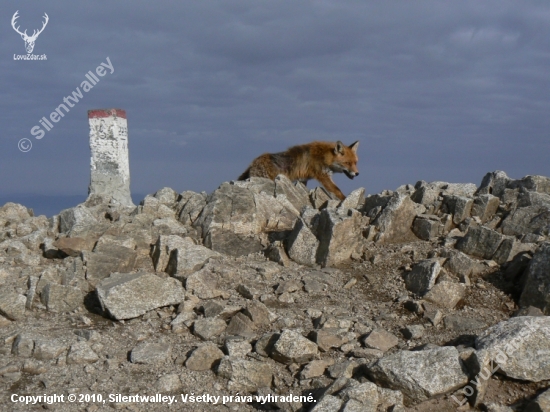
(110, 169)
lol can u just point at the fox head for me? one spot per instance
(345, 159)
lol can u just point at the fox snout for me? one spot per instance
(350, 174)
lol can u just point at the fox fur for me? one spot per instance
(316, 160)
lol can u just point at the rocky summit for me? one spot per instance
(264, 295)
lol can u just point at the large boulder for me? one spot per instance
(536, 291)
(129, 295)
(420, 375)
(339, 234)
(237, 214)
(394, 222)
(480, 241)
(518, 346)
(107, 259)
(530, 219)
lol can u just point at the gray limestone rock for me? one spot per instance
(302, 244)
(81, 352)
(108, 259)
(340, 236)
(413, 331)
(240, 325)
(204, 357)
(530, 219)
(319, 197)
(366, 394)
(187, 259)
(264, 345)
(510, 248)
(459, 206)
(128, 295)
(204, 284)
(541, 403)
(49, 348)
(315, 368)
(167, 196)
(73, 246)
(427, 227)
(328, 403)
(420, 375)
(396, 218)
(328, 338)
(150, 353)
(78, 221)
(292, 347)
(209, 328)
(164, 246)
(354, 200)
(190, 207)
(381, 340)
(517, 345)
(12, 305)
(423, 276)
(245, 374)
(237, 210)
(446, 294)
(480, 242)
(59, 298)
(259, 313)
(536, 291)
(461, 264)
(168, 383)
(485, 206)
(297, 195)
(237, 348)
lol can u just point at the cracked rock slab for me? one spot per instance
(129, 295)
(420, 375)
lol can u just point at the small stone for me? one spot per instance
(204, 357)
(413, 332)
(150, 353)
(381, 340)
(264, 345)
(240, 325)
(315, 368)
(259, 313)
(288, 287)
(237, 348)
(12, 305)
(446, 294)
(245, 374)
(286, 298)
(59, 298)
(209, 328)
(344, 369)
(292, 347)
(423, 276)
(81, 352)
(168, 383)
(328, 403)
(328, 338)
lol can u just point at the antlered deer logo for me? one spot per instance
(29, 40)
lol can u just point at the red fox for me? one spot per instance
(316, 160)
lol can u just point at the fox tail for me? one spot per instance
(245, 175)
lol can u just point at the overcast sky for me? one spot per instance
(433, 90)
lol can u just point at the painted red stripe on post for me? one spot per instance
(106, 113)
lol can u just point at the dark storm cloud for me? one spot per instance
(433, 90)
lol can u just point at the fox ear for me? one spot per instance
(339, 149)
(354, 146)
